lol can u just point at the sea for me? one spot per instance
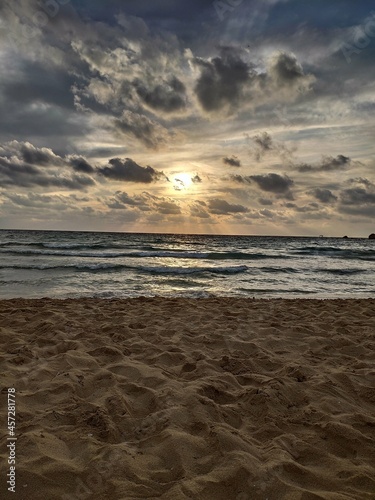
(36, 264)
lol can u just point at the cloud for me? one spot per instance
(45, 202)
(128, 170)
(241, 179)
(263, 141)
(31, 155)
(265, 201)
(286, 70)
(233, 161)
(358, 200)
(364, 211)
(179, 185)
(150, 133)
(328, 164)
(39, 156)
(168, 208)
(222, 80)
(311, 207)
(357, 196)
(264, 144)
(22, 175)
(226, 81)
(222, 207)
(25, 165)
(168, 96)
(196, 179)
(273, 183)
(324, 195)
(80, 164)
(198, 210)
(123, 200)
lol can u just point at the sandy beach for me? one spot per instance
(190, 398)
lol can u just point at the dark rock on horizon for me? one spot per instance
(372, 236)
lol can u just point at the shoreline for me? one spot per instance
(191, 398)
(144, 298)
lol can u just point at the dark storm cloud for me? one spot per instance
(128, 170)
(170, 96)
(222, 207)
(327, 164)
(233, 161)
(222, 80)
(324, 195)
(273, 183)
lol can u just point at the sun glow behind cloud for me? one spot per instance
(182, 181)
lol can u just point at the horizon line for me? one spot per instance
(186, 234)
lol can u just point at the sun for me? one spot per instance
(182, 181)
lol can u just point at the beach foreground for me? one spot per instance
(190, 398)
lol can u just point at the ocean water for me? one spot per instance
(108, 265)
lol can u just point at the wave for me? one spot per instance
(274, 291)
(72, 246)
(196, 270)
(79, 267)
(343, 272)
(107, 267)
(288, 270)
(343, 253)
(178, 254)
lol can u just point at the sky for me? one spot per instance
(223, 117)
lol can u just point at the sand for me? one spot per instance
(190, 398)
